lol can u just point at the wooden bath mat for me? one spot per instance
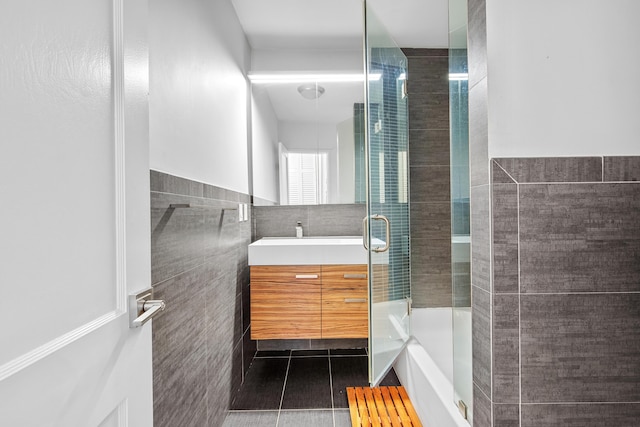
(381, 407)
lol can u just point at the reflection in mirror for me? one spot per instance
(307, 138)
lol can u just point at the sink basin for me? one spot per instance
(309, 250)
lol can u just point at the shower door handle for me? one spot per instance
(377, 217)
(365, 221)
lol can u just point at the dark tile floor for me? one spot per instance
(294, 388)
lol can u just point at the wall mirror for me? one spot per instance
(307, 137)
(307, 89)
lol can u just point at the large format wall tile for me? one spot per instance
(506, 415)
(430, 184)
(481, 409)
(478, 134)
(580, 237)
(178, 369)
(431, 221)
(553, 169)
(481, 339)
(580, 348)
(506, 348)
(429, 147)
(430, 112)
(565, 252)
(317, 220)
(581, 415)
(177, 240)
(481, 237)
(165, 183)
(336, 220)
(199, 267)
(622, 169)
(504, 201)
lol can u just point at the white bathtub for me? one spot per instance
(426, 371)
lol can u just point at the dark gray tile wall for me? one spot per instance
(481, 409)
(201, 345)
(591, 243)
(581, 348)
(553, 169)
(621, 169)
(581, 415)
(317, 220)
(481, 340)
(563, 303)
(429, 165)
(481, 237)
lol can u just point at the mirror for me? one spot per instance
(304, 150)
(307, 138)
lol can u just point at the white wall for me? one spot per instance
(562, 77)
(346, 162)
(264, 135)
(198, 92)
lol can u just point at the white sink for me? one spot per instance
(309, 250)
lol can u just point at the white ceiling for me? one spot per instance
(334, 25)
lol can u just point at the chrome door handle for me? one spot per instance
(365, 221)
(142, 307)
(388, 233)
(377, 217)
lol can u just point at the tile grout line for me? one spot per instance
(519, 312)
(284, 386)
(333, 409)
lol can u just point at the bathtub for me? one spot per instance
(425, 368)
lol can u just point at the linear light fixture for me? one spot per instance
(310, 77)
(459, 76)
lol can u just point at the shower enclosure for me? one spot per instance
(386, 127)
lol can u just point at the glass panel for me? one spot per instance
(387, 196)
(460, 241)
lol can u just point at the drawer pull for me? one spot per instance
(355, 300)
(306, 276)
(355, 276)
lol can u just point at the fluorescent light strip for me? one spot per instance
(459, 76)
(305, 78)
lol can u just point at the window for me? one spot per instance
(306, 177)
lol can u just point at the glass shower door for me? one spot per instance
(387, 221)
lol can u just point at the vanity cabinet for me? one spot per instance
(286, 302)
(309, 302)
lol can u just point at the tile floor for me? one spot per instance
(300, 388)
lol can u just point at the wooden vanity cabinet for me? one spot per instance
(344, 301)
(285, 302)
(309, 302)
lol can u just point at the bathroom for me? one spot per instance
(554, 212)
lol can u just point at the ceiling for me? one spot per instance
(334, 25)
(337, 24)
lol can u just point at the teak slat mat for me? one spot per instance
(381, 407)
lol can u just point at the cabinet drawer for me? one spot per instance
(345, 313)
(286, 273)
(344, 276)
(285, 310)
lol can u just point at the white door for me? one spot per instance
(74, 213)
